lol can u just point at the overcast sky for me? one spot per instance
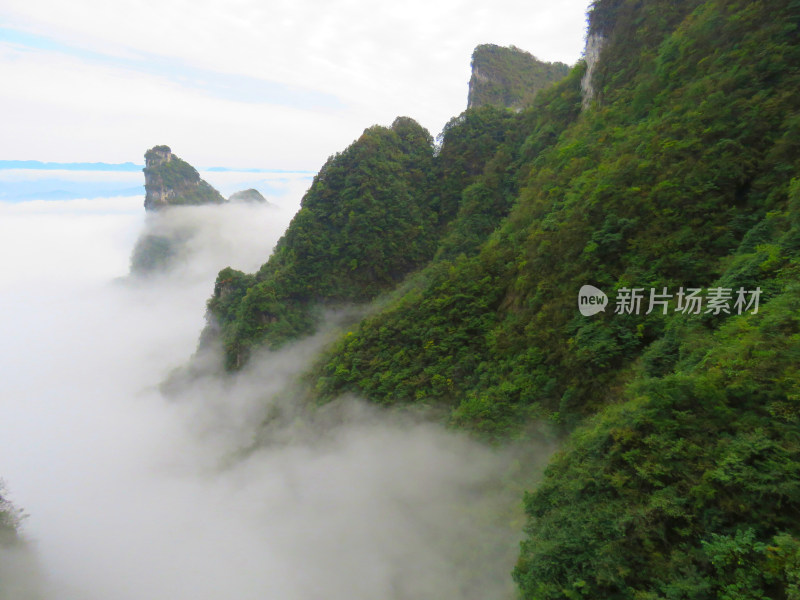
(247, 83)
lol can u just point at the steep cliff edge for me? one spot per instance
(171, 181)
(509, 77)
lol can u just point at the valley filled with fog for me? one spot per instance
(132, 495)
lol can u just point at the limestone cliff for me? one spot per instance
(170, 181)
(509, 77)
(594, 44)
(605, 37)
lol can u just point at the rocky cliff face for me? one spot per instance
(594, 44)
(509, 77)
(170, 181)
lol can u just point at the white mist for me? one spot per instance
(133, 496)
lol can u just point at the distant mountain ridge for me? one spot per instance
(77, 166)
(128, 167)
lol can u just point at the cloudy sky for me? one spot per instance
(247, 83)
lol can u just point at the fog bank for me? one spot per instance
(132, 495)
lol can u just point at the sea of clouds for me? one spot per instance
(132, 495)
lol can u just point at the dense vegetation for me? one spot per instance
(373, 214)
(366, 221)
(680, 477)
(509, 77)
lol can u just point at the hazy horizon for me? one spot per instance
(64, 183)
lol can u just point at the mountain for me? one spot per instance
(366, 221)
(509, 77)
(664, 171)
(171, 181)
(374, 213)
(249, 195)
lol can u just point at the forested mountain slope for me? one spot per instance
(373, 214)
(681, 475)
